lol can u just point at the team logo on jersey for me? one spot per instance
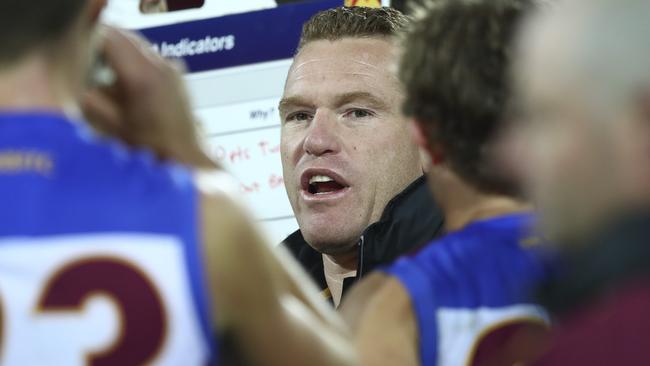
(364, 3)
(25, 161)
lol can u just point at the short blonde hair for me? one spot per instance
(355, 22)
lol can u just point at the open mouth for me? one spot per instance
(321, 183)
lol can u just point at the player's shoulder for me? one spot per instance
(476, 257)
(383, 321)
(226, 223)
(376, 288)
(143, 165)
(391, 297)
(378, 299)
(479, 241)
(220, 202)
(112, 166)
(230, 241)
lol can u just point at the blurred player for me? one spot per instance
(115, 256)
(464, 299)
(584, 77)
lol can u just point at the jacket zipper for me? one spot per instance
(360, 245)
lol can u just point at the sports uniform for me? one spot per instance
(470, 292)
(99, 251)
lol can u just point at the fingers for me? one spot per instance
(120, 52)
(147, 106)
(139, 69)
(130, 57)
(178, 65)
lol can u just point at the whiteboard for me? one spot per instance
(242, 128)
(237, 65)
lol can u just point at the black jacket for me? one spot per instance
(409, 221)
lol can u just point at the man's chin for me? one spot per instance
(331, 244)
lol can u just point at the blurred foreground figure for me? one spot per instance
(115, 256)
(585, 76)
(464, 299)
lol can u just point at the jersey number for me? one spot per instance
(142, 316)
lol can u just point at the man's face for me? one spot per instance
(346, 149)
(568, 152)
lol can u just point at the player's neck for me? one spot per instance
(487, 207)
(463, 204)
(33, 84)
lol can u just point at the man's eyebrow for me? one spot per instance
(292, 102)
(351, 97)
(339, 100)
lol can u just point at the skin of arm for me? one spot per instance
(260, 295)
(262, 298)
(380, 314)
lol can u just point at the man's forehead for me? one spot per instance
(363, 57)
(337, 67)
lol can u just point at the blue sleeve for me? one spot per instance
(418, 285)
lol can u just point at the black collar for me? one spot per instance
(410, 220)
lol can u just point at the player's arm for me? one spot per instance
(146, 106)
(268, 316)
(383, 323)
(260, 295)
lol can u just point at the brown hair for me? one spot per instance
(357, 22)
(455, 70)
(26, 25)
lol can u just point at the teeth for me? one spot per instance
(320, 179)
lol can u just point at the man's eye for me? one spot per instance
(299, 117)
(358, 113)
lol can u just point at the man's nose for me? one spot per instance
(322, 136)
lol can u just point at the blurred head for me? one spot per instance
(584, 75)
(346, 150)
(455, 70)
(58, 32)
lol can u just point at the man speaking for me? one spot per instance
(352, 172)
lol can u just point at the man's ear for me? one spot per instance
(421, 134)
